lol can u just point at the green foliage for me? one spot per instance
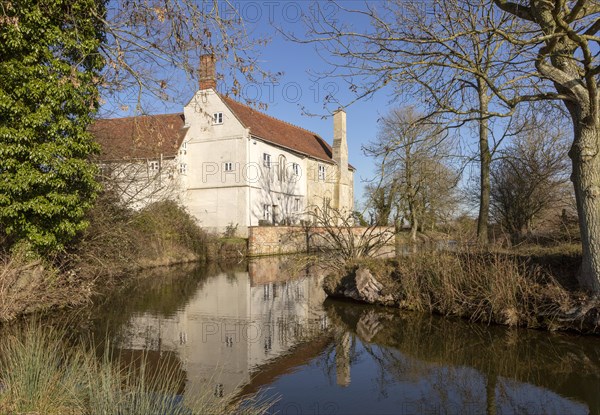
(49, 70)
(360, 218)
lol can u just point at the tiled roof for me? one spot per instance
(146, 136)
(149, 136)
(279, 132)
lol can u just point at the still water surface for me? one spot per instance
(267, 326)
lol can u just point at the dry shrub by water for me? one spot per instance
(165, 227)
(42, 373)
(29, 284)
(120, 238)
(118, 242)
(482, 286)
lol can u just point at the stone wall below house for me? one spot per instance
(279, 240)
(276, 240)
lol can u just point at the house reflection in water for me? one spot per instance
(270, 326)
(235, 324)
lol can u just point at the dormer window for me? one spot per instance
(218, 118)
(267, 160)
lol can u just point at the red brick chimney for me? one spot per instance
(208, 74)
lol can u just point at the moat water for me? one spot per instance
(266, 326)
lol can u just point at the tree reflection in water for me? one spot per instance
(470, 368)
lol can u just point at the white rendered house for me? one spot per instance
(226, 162)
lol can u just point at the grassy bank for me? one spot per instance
(117, 243)
(504, 287)
(42, 371)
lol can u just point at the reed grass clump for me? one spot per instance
(482, 286)
(40, 375)
(42, 371)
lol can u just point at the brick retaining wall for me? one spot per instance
(278, 240)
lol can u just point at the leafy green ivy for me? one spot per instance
(49, 70)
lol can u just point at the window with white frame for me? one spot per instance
(218, 118)
(182, 168)
(267, 160)
(183, 150)
(228, 166)
(297, 204)
(296, 169)
(322, 172)
(154, 165)
(267, 212)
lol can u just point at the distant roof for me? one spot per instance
(280, 132)
(146, 136)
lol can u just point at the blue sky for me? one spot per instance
(299, 93)
(298, 96)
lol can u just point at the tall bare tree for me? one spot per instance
(445, 53)
(416, 180)
(152, 49)
(563, 49)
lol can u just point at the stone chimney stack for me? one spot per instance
(208, 73)
(340, 144)
(341, 197)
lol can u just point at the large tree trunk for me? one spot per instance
(484, 195)
(414, 225)
(485, 159)
(580, 84)
(586, 180)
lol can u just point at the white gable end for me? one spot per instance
(200, 117)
